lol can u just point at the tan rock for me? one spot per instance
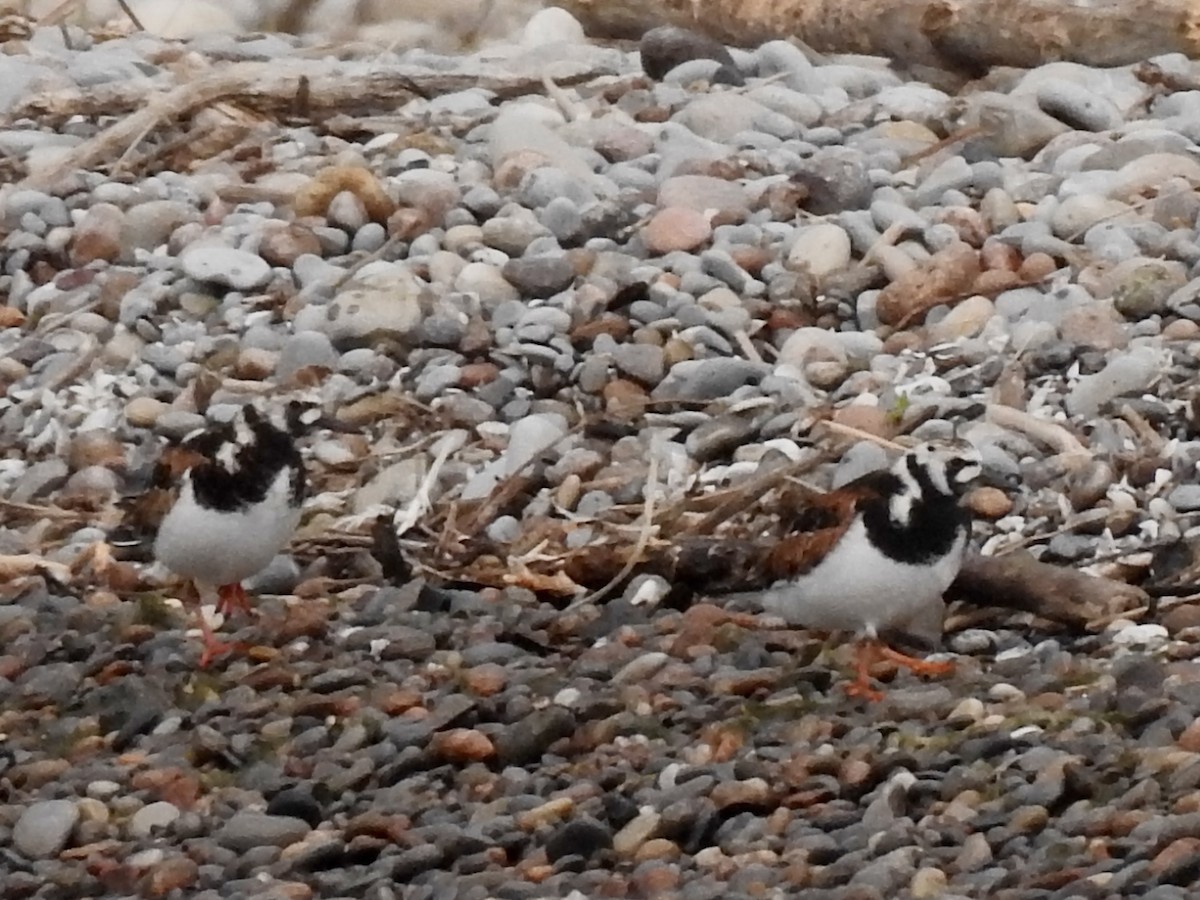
(636, 832)
(1095, 325)
(989, 503)
(820, 250)
(1175, 853)
(871, 419)
(553, 810)
(624, 398)
(314, 198)
(927, 882)
(98, 235)
(752, 791)
(1189, 738)
(143, 412)
(173, 874)
(96, 447)
(1181, 330)
(1037, 266)
(965, 319)
(657, 848)
(255, 363)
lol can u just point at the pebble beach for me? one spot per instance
(709, 251)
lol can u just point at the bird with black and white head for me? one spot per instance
(238, 487)
(876, 555)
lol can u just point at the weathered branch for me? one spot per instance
(274, 88)
(964, 35)
(1019, 581)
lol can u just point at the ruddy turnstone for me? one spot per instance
(877, 554)
(240, 487)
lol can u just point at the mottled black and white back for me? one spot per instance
(241, 459)
(238, 503)
(879, 551)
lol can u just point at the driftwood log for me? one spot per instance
(311, 89)
(960, 35)
(707, 567)
(1018, 581)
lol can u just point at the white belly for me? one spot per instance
(215, 547)
(857, 588)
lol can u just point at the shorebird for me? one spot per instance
(877, 554)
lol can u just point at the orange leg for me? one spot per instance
(232, 598)
(865, 653)
(919, 666)
(871, 650)
(212, 646)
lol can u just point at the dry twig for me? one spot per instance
(644, 535)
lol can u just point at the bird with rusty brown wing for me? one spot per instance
(222, 503)
(875, 555)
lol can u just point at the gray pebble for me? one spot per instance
(303, 349)
(226, 266)
(151, 817)
(642, 362)
(541, 276)
(44, 828)
(504, 530)
(176, 424)
(247, 830)
(708, 379)
(1078, 106)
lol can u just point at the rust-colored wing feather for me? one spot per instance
(816, 529)
(144, 511)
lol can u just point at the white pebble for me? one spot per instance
(1146, 635)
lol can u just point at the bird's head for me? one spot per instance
(950, 468)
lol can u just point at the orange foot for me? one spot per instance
(870, 650)
(865, 653)
(919, 666)
(863, 690)
(213, 647)
(232, 598)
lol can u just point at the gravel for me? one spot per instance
(701, 265)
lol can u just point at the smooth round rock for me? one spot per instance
(44, 828)
(226, 266)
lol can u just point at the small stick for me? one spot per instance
(644, 535)
(452, 442)
(860, 435)
(1049, 433)
(1144, 430)
(132, 17)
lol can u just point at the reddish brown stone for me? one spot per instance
(485, 679)
(1174, 853)
(172, 874)
(475, 375)
(282, 244)
(676, 228)
(390, 828)
(1037, 266)
(624, 398)
(614, 325)
(463, 745)
(656, 881)
(98, 235)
